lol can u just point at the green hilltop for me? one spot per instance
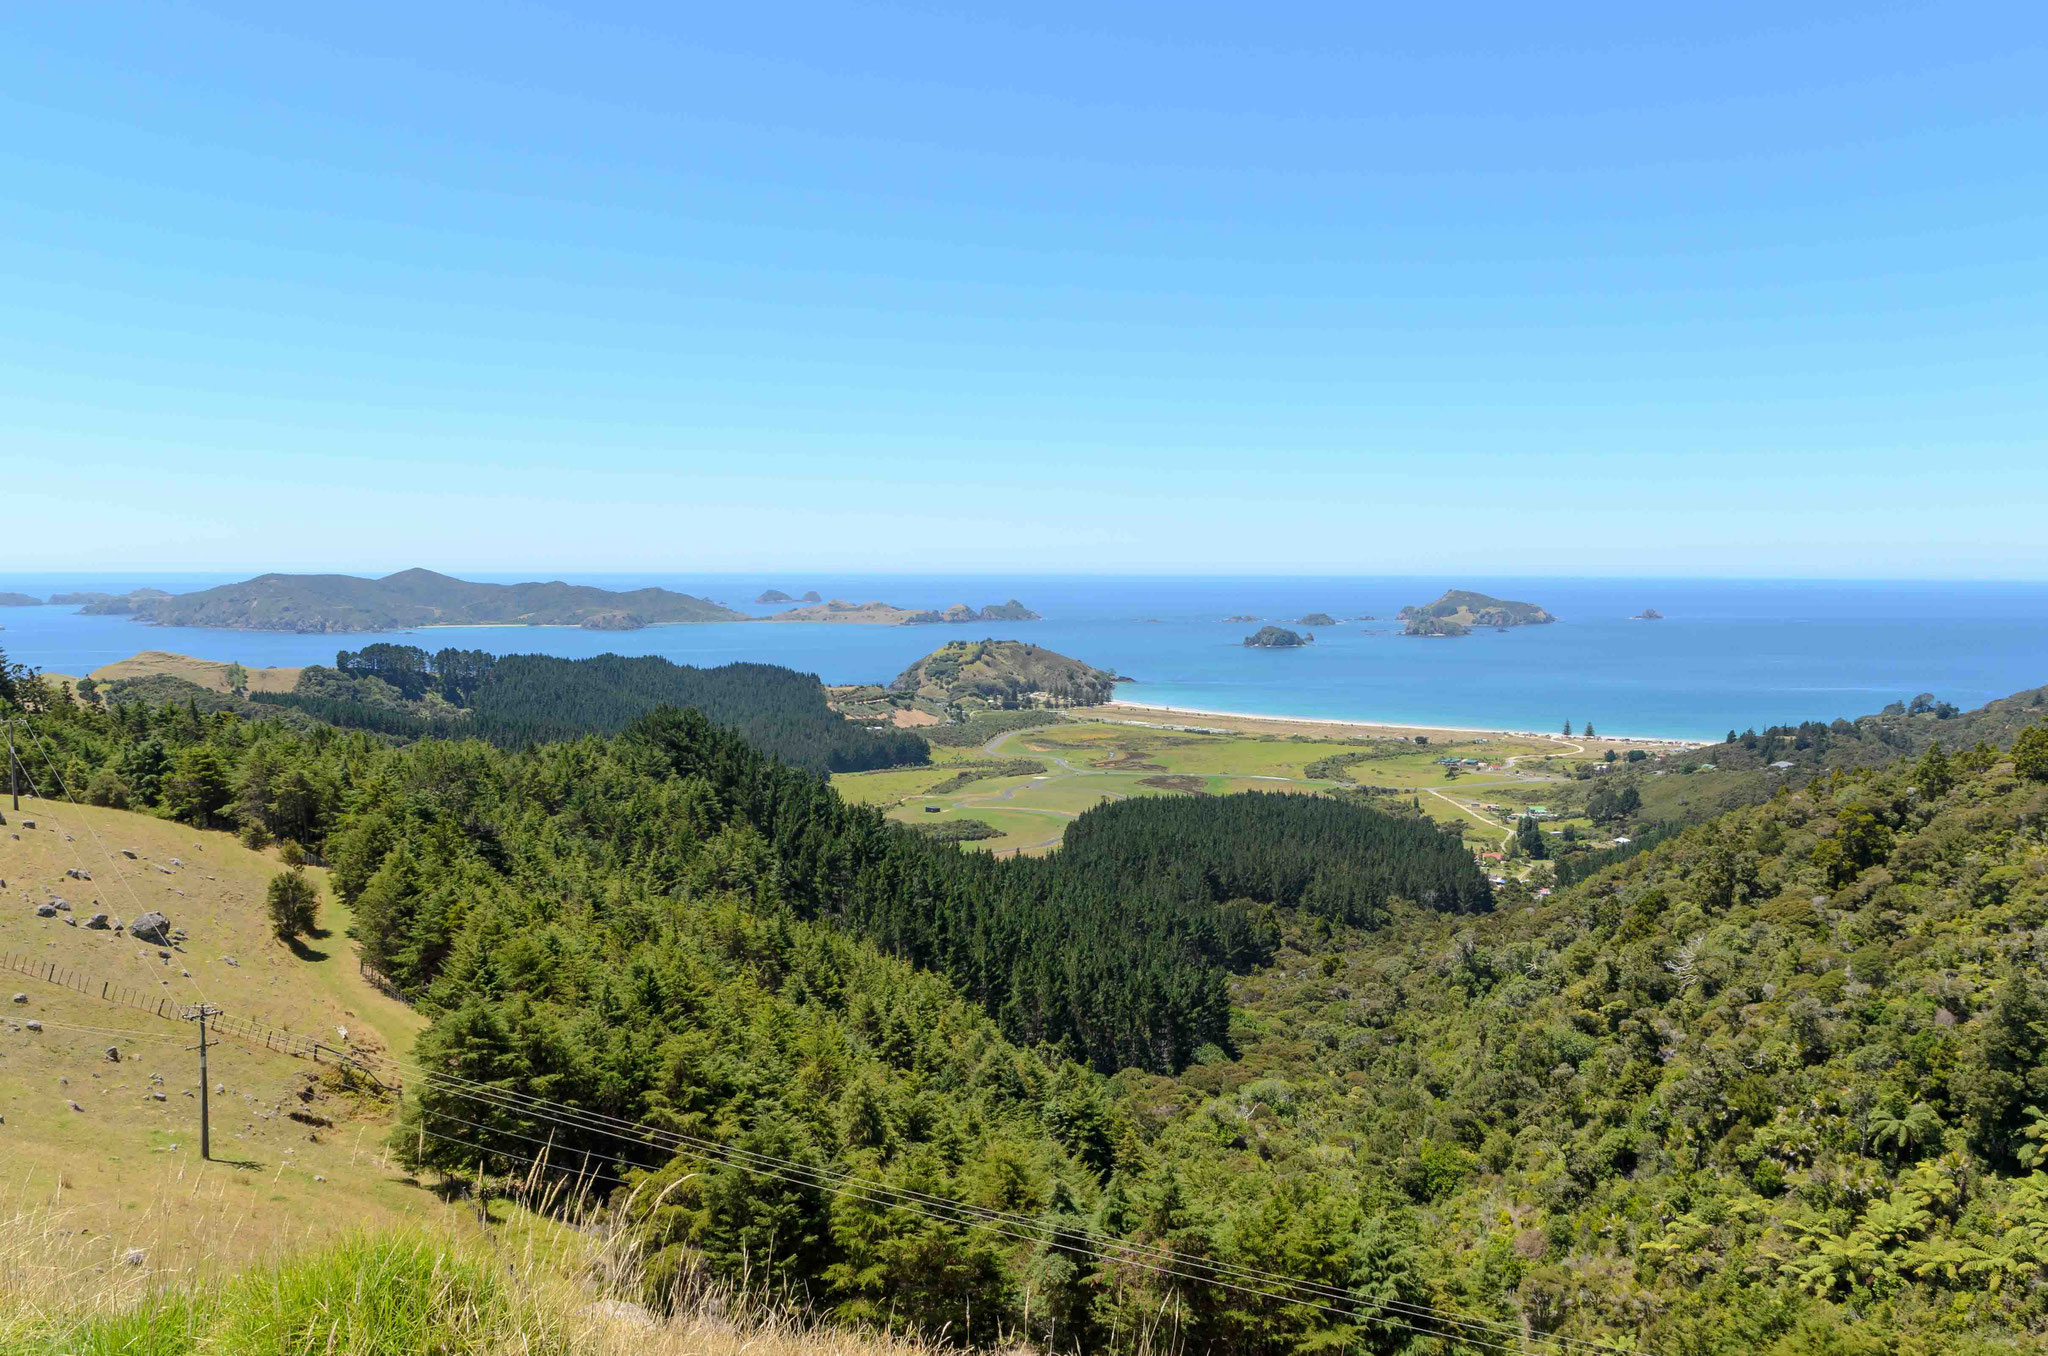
(1002, 674)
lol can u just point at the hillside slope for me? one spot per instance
(123, 1170)
(1784, 1072)
(1749, 767)
(211, 674)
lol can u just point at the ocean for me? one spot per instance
(1728, 654)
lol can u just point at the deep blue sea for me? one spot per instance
(1732, 653)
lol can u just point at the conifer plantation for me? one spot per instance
(519, 700)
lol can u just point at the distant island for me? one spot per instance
(111, 604)
(19, 600)
(1240, 619)
(1459, 610)
(1003, 674)
(1277, 638)
(1316, 619)
(318, 603)
(1648, 614)
(328, 603)
(888, 614)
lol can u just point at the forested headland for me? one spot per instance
(515, 701)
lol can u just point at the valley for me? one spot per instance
(1402, 1006)
(1091, 756)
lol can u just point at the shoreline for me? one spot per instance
(1395, 727)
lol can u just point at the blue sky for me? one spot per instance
(1742, 289)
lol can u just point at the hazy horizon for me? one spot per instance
(768, 576)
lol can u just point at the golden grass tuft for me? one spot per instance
(527, 1285)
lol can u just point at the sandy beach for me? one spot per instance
(1325, 726)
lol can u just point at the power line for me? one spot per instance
(613, 1126)
(1221, 1274)
(1245, 1280)
(1096, 1252)
(108, 1031)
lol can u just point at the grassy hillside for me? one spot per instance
(211, 674)
(123, 1171)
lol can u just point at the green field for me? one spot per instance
(1089, 759)
(1022, 829)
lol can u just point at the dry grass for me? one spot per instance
(123, 1169)
(207, 673)
(454, 1285)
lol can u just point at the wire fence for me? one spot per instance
(380, 981)
(94, 987)
(222, 1023)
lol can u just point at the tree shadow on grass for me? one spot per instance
(304, 952)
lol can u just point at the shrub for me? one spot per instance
(108, 789)
(292, 901)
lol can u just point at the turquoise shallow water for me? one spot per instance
(1730, 653)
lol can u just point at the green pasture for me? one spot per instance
(1090, 759)
(1021, 828)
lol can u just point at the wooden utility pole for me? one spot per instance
(13, 766)
(199, 1015)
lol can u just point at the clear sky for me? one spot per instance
(1728, 289)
